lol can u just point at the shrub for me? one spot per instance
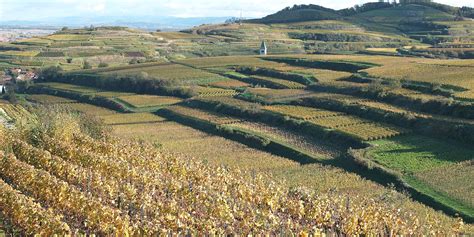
(103, 64)
(86, 65)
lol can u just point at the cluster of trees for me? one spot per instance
(425, 26)
(442, 7)
(364, 8)
(9, 94)
(300, 13)
(340, 37)
(466, 12)
(136, 61)
(463, 11)
(303, 79)
(140, 83)
(233, 20)
(86, 65)
(446, 53)
(329, 65)
(90, 99)
(9, 47)
(458, 11)
(308, 6)
(329, 47)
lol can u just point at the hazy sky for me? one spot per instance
(41, 9)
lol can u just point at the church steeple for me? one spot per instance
(263, 48)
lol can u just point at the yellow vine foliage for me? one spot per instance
(114, 187)
(28, 215)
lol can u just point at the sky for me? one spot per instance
(44, 9)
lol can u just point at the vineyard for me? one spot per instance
(203, 115)
(300, 112)
(143, 133)
(213, 92)
(132, 118)
(229, 84)
(96, 182)
(49, 99)
(456, 186)
(275, 83)
(373, 131)
(351, 125)
(259, 103)
(139, 101)
(19, 53)
(298, 140)
(91, 109)
(425, 159)
(340, 121)
(11, 114)
(69, 87)
(233, 102)
(234, 61)
(275, 95)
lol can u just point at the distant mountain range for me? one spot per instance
(142, 22)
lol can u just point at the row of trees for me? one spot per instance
(364, 8)
(340, 37)
(444, 53)
(140, 83)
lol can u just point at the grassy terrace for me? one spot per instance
(439, 168)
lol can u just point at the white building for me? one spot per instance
(263, 48)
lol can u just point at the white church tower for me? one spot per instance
(263, 48)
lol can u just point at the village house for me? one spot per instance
(15, 71)
(27, 75)
(15, 74)
(22, 75)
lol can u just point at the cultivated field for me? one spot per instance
(179, 74)
(442, 165)
(139, 101)
(328, 104)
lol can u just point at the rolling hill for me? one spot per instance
(420, 24)
(300, 13)
(418, 28)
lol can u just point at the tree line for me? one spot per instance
(140, 83)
